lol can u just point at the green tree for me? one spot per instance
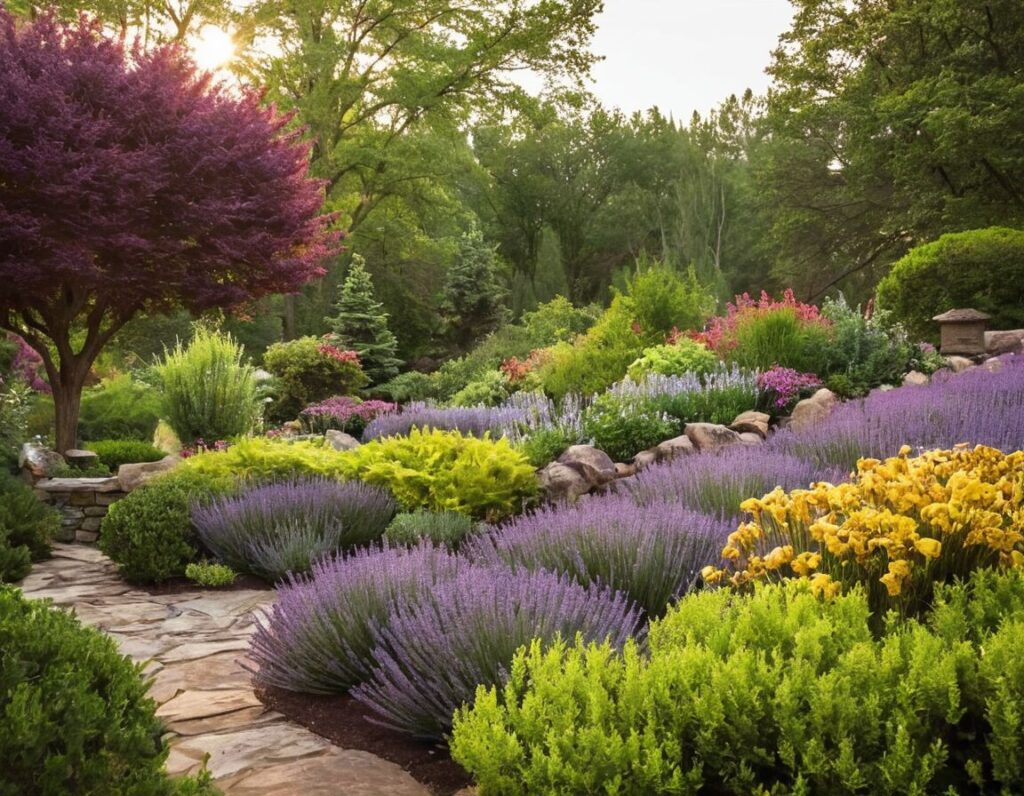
(890, 124)
(362, 325)
(474, 297)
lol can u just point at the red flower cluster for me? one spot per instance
(518, 369)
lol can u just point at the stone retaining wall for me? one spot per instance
(83, 503)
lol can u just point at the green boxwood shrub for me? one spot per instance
(308, 370)
(980, 268)
(74, 714)
(441, 527)
(622, 426)
(776, 692)
(445, 471)
(113, 453)
(149, 533)
(26, 527)
(119, 408)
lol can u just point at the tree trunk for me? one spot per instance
(67, 404)
(289, 316)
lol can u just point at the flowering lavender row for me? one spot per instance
(654, 554)
(656, 385)
(318, 638)
(274, 529)
(717, 483)
(976, 407)
(433, 655)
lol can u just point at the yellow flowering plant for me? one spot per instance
(899, 526)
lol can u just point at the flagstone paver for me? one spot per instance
(194, 647)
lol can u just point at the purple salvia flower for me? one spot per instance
(654, 554)
(273, 529)
(432, 656)
(319, 635)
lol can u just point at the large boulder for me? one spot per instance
(39, 461)
(812, 411)
(132, 476)
(561, 483)
(675, 447)
(709, 436)
(915, 379)
(751, 423)
(1004, 342)
(592, 463)
(645, 459)
(339, 440)
(958, 364)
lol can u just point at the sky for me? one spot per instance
(684, 55)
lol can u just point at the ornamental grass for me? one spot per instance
(899, 527)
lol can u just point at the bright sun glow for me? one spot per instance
(213, 48)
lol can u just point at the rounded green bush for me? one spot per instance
(74, 714)
(26, 527)
(149, 533)
(443, 527)
(305, 374)
(115, 452)
(119, 408)
(982, 269)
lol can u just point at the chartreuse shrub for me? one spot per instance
(74, 714)
(979, 268)
(119, 408)
(113, 453)
(672, 359)
(778, 691)
(445, 471)
(149, 533)
(897, 528)
(26, 526)
(210, 574)
(262, 459)
(209, 392)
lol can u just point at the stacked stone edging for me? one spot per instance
(82, 502)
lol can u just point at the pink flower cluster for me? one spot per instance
(28, 365)
(720, 333)
(785, 384)
(343, 412)
(335, 353)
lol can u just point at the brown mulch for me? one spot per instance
(342, 721)
(180, 585)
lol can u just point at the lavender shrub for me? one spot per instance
(433, 655)
(653, 555)
(273, 529)
(976, 407)
(319, 636)
(474, 420)
(716, 483)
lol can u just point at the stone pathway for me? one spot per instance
(195, 643)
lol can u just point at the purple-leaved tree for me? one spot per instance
(130, 181)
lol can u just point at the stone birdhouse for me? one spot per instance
(962, 332)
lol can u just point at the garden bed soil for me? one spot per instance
(342, 721)
(183, 585)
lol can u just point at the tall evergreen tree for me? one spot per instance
(474, 297)
(361, 324)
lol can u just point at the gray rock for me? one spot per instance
(751, 423)
(592, 463)
(751, 438)
(646, 459)
(993, 365)
(561, 483)
(81, 458)
(709, 436)
(74, 486)
(39, 461)
(814, 410)
(86, 537)
(340, 441)
(915, 379)
(675, 447)
(132, 476)
(958, 364)
(1004, 342)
